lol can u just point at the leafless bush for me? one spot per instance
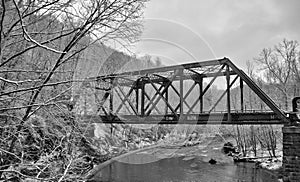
(257, 137)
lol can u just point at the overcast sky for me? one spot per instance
(185, 31)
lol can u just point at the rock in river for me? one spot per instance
(212, 161)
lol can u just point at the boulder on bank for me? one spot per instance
(229, 148)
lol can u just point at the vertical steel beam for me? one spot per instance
(201, 94)
(167, 99)
(111, 104)
(143, 100)
(181, 91)
(242, 94)
(137, 100)
(111, 101)
(111, 97)
(228, 93)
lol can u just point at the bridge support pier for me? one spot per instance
(291, 153)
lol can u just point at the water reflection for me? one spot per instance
(137, 168)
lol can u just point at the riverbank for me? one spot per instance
(264, 161)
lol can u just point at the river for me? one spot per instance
(174, 165)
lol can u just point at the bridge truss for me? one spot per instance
(178, 95)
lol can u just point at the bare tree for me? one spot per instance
(280, 68)
(40, 44)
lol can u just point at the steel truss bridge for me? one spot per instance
(177, 95)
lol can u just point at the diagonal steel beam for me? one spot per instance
(102, 101)
(185, 96)
(164, 91)
(122, 103)
(264, 97)
(223, 94)
(148, 97)
(128, 101)
(104, 110)
(160, 97)
(206, 88)
(154, 97)
(176, 91)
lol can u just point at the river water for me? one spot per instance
(142, 168)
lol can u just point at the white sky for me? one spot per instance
(185, 31)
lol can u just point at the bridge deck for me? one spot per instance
(253, 118)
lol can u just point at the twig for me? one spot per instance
(8, 81)
(66, 170)
(29, 38)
